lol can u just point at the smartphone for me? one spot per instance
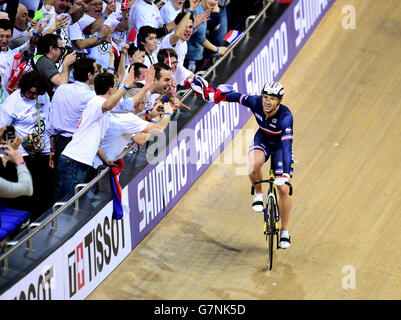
(3, 150)
(9, 133)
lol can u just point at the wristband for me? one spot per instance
(124, 86)
(20, 163)
(98, 37)
(104, 16)
(164, 99)
(33, 32)
(153, 121)
(112, 69)
(169, 114)
(217, 50)
(190, 11)
(52, 150)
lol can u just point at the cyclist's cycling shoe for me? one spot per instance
(257, 204)
(284, 242)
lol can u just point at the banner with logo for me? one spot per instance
(95, 251)
(75, 269)
(45, 282)
(157, 188)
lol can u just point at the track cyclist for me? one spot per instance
(273, 138)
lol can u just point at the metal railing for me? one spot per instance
(81, 189)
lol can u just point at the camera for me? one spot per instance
(69, 50)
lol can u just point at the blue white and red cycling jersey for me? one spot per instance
(275, 134)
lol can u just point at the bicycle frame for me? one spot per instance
(271, 213)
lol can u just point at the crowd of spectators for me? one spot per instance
(81, 78)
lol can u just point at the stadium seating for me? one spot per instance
(12, 220)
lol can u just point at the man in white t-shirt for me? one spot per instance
(77, 158)
(180, 75)
(162, 84)
(177, 40)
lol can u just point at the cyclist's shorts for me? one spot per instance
(259, 144)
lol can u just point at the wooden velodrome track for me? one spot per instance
(344, 89)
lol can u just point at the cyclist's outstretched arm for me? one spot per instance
(286, 124)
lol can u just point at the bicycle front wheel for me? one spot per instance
(269, 227)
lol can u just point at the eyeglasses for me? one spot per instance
(62, 49)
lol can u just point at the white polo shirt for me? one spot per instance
(122, 127)
(90, 132)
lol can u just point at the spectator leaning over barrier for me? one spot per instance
(161, 86)
(76, 160)
(49, 51)
(180, 75)
(68, 103)
(27, 110)
(198, 41)
(127, 126)
(9, 152)
(127, 103)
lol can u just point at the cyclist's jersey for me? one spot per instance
(276, 132)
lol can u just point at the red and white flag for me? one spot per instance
(232, 36)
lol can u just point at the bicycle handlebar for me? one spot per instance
(269, 181)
